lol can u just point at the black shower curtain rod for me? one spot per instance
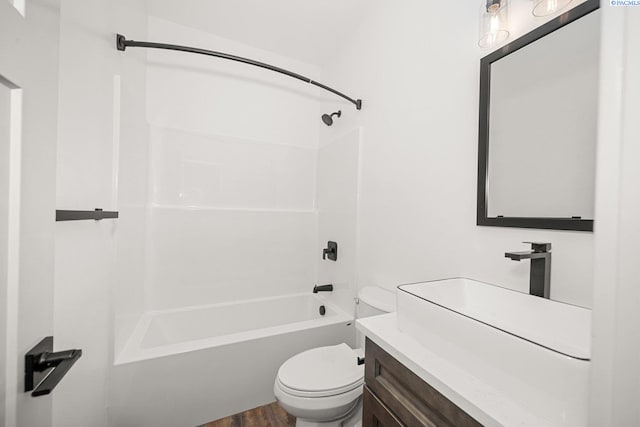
(122, 43)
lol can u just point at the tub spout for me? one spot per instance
(322, 288)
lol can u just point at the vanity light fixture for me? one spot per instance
(548, 7)
(494, 20)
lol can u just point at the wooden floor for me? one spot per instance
(265, 416)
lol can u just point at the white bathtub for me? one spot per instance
(190, 366)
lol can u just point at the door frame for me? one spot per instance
(29, 47)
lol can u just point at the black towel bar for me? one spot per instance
(96, 215)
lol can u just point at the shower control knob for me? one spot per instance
(331, 251)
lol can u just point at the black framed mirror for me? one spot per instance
(537, 129)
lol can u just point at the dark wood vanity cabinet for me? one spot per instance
(375, 414)
(395, 396)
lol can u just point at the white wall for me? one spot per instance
(417, 72)
(337, 193)
(233, 174)
(90, 131)
(615, 385)
(5, 124)
(306, 30)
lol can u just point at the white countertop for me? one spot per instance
(482, 402)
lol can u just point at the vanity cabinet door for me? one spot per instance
(412, 401)
(375, 413)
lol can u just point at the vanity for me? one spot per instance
(459, 352)
(395, 396)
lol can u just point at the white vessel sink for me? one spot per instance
(533, 350)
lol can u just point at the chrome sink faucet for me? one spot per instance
(540, 273)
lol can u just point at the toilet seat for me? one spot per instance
(321, 372)
(319, 393)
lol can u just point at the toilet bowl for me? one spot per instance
(322, 387)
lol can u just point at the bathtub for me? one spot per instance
(189, 366)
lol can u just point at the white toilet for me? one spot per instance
(322, 387)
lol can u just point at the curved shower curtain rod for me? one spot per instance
(122, 43)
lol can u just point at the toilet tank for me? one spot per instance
(374, 300)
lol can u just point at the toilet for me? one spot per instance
(322, 387)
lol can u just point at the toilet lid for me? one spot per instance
(322, 371)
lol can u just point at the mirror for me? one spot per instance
(538, 119)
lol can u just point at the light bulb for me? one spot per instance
(494, 17)
(493, 5)
(495, 24)
(548, 7)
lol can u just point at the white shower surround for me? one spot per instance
(232, 211)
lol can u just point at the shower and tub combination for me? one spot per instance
(233, 222)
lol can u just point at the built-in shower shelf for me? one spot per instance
(232, 209)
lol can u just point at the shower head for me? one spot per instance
(328, 119)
